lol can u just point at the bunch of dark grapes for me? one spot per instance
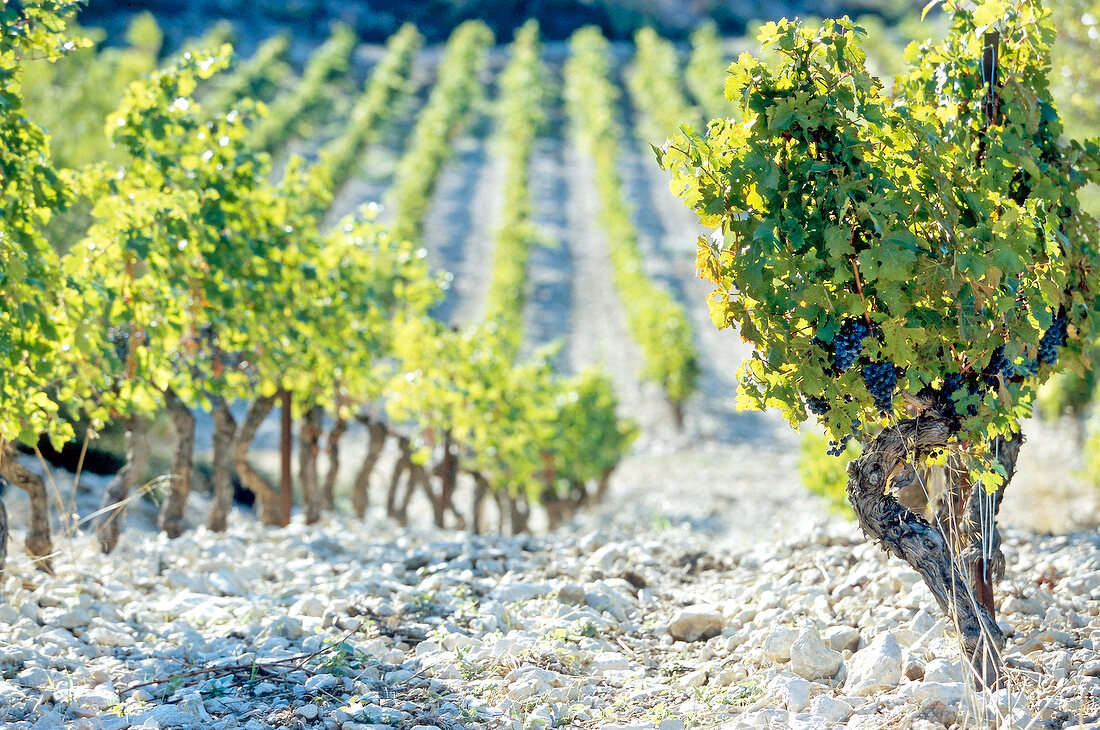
(1053, 338)
(836, 448)
(209, 336)
(119, 337)
(881, 379)
(817, 405)
(848, 343)
(998, 365)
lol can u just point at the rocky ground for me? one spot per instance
(351, 625)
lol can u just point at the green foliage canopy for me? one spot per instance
(953, 233)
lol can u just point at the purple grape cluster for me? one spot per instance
(848, 343)
(1054, 338)
(881, 379)
(999, 364)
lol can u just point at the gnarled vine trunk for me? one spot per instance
(225, 430)
(285, 492)
(418, 479)
(309, 436)
(38, 543)
(170, 520)
(400, 468)
(481, 491)
(109, 522)
(448, 482)
(602, 486)
(266, 497)
(376, 431)
(968, 515)
(888, 461)
(332, 450)
(3, 536)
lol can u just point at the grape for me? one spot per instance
(998, 365)
(120, 338)
(836, 448)
(1053, 338)
(817, 405)
(881, 379)
(848, 343)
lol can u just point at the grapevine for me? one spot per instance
(935, 239)
(449, 103)
(656, 321)
(290, 111)
(522, 98)
(656, 88)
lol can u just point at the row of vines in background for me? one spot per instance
(206, 280)
(288, 112)
(457, 88)
(543, 437)
(389, 83)
(656, 321)
(521, 111)
(657, 88)
(258, 78)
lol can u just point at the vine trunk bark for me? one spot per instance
(309, 436)
(225, 431)
(286, 444)
(481, 491)
(888, 464)
(266, 497)
(332, 450)
(376, 432)
(170, 520)
(116, 497)
(968, 515)
(3, 536)
(38, 543)
(400, 468)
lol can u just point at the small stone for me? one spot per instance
(795, 694)
(319, 682)
(308, 606)
(103, 636)
(73, 619)
(694, 679)
(191, 704)
(398, 677)
(945, 693)
(265, 688)
(1091, 668)
(875, 667)
(609, 661)
(696, 623)
(33, 677)
(944, 670)
(519, 592)
(778, 642)
(830, 709)
(811, 659)
(839, 638)
(309, 712)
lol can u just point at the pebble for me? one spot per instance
(811, 659)
(696, 623)
(875, 667)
